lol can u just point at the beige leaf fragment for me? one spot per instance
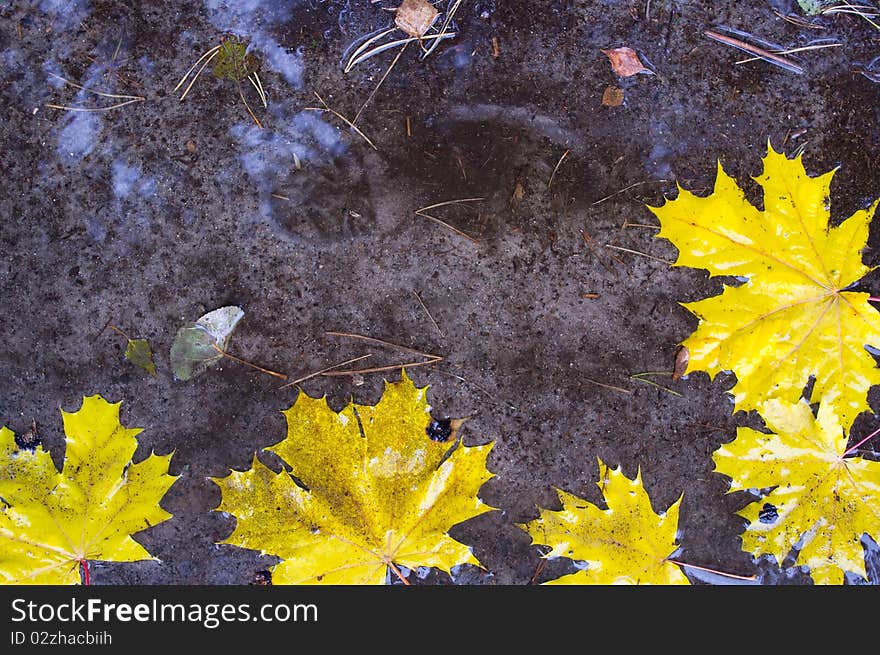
(625, 62)
(415, 17)
(612, 96)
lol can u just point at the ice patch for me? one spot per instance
(244, 14)
(124, 178)
(247, 19)
(96, 229)
(77, 139)
(52, 69)
(288, 64)
(302, 137)
(65, 13)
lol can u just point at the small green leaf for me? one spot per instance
(812, 7)
(203, 343)
(233, 61)
(138, 353)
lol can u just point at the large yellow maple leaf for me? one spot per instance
(51, 522)
(791, 319)
(379, 493)
(820, 493)
(627, 543)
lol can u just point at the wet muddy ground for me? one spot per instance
(149, 215)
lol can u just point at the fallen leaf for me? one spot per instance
(612, 96)
(51, 521)
(628, 543)
(415, 17)
(813, 7)
(625, 62)
(819, 493)
(203, 343)
(234, 61)
(138, 353)
(790, 319)
(681, 363)
(378, 491)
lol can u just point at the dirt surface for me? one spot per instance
(149, 215)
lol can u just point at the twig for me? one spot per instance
(627, 224)
(419, 298)
(248, 107)
(766, 55)
(640, 378)
(608, 386)
(393, 44)
(541, 564)
(448, 19)
(192, 68)
(97, 93)
(788, 52)
(854, 448)
(258, 85)
(324, 370)
(381, 342)
(116, 329)
(128, 99)
(390, 367)
(721, 573)
(591, 244)
(631, 186)
(376, 88)
(846, 8)
(369, 39)
(488, 393)
(247, 363)
(421, 212)
(796, 20)
(398, 574)
(558, 164)
(636, 252)
(213, 53)
(448, 202)
(340, 117)
(449, 227)
(116, 106)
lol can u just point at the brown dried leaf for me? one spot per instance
(612, 96)
(415, 17)
(681, 363)
(625, 62)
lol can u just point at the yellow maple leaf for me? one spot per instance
(821, 494)
(51, 521)
(791, 319)
(628, 543)
(379, 493)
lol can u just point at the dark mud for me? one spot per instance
(149, 215)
